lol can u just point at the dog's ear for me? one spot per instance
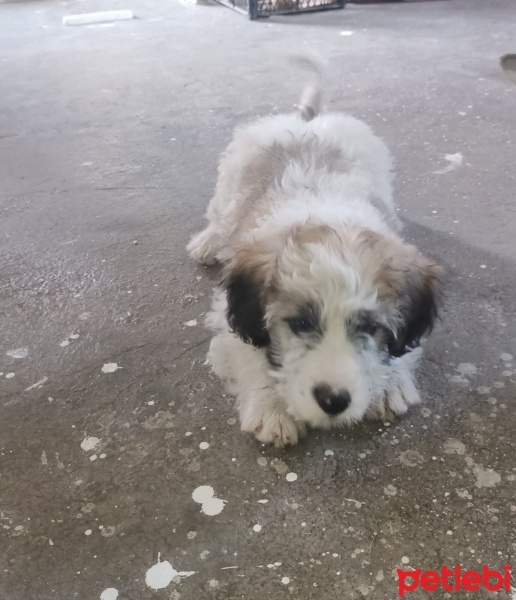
(417, 304)
(245, 312)
(248, 283)
(408, 285)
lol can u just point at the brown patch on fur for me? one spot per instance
(396, 266)
(407, 282)
(259, 178)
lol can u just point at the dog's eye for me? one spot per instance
(366, 325)
(300, 325)
(368, 328)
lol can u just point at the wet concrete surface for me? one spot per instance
(109, 138)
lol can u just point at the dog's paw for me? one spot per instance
(280, 429)
(275, 427)
(400, 392)
(203, 247)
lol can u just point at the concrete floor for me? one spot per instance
(109, 138)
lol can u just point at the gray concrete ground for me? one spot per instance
(109, 138)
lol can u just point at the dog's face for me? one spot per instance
(331, 309)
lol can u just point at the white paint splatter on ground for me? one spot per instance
(66, 342)
(455, 161)
(467, 369)
(263, 501)
(205, 496)
(90, 443)
(44, 460)
(453, 446)
(285, 580)
(486, 478)
(329, 453)
(162, 419)
(161, 574)
(390, 490)
(18, 353)
(346, 33)
(109, 594)
(257, 528)
(411, 458)
(191, 323)
(204, 445)
(88, 532)
(110, 367)
(38, 384)
(191, 535)
(357, 503)
(93, 457)
(262, 461)
(405, 560)
(291, 477)
(506, 357)
(279, 466)
(108, 531)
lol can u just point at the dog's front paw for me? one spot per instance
(203, 247)
(274, 427)
(400, 392)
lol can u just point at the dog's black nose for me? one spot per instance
(333, 403)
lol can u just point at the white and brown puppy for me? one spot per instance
(323, 305)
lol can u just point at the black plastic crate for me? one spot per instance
(258, 9)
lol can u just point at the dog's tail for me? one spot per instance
(309, 104)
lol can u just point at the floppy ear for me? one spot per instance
(250, 281)
(408, 285)
(245, 312)
(417, 304)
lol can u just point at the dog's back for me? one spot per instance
(306, 162)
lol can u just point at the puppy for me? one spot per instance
(323, 305)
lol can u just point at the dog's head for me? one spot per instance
(331, 308)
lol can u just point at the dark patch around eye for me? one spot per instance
(306, 323)
(299, 325)
(366, 324)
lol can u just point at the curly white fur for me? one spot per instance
(304, 222)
